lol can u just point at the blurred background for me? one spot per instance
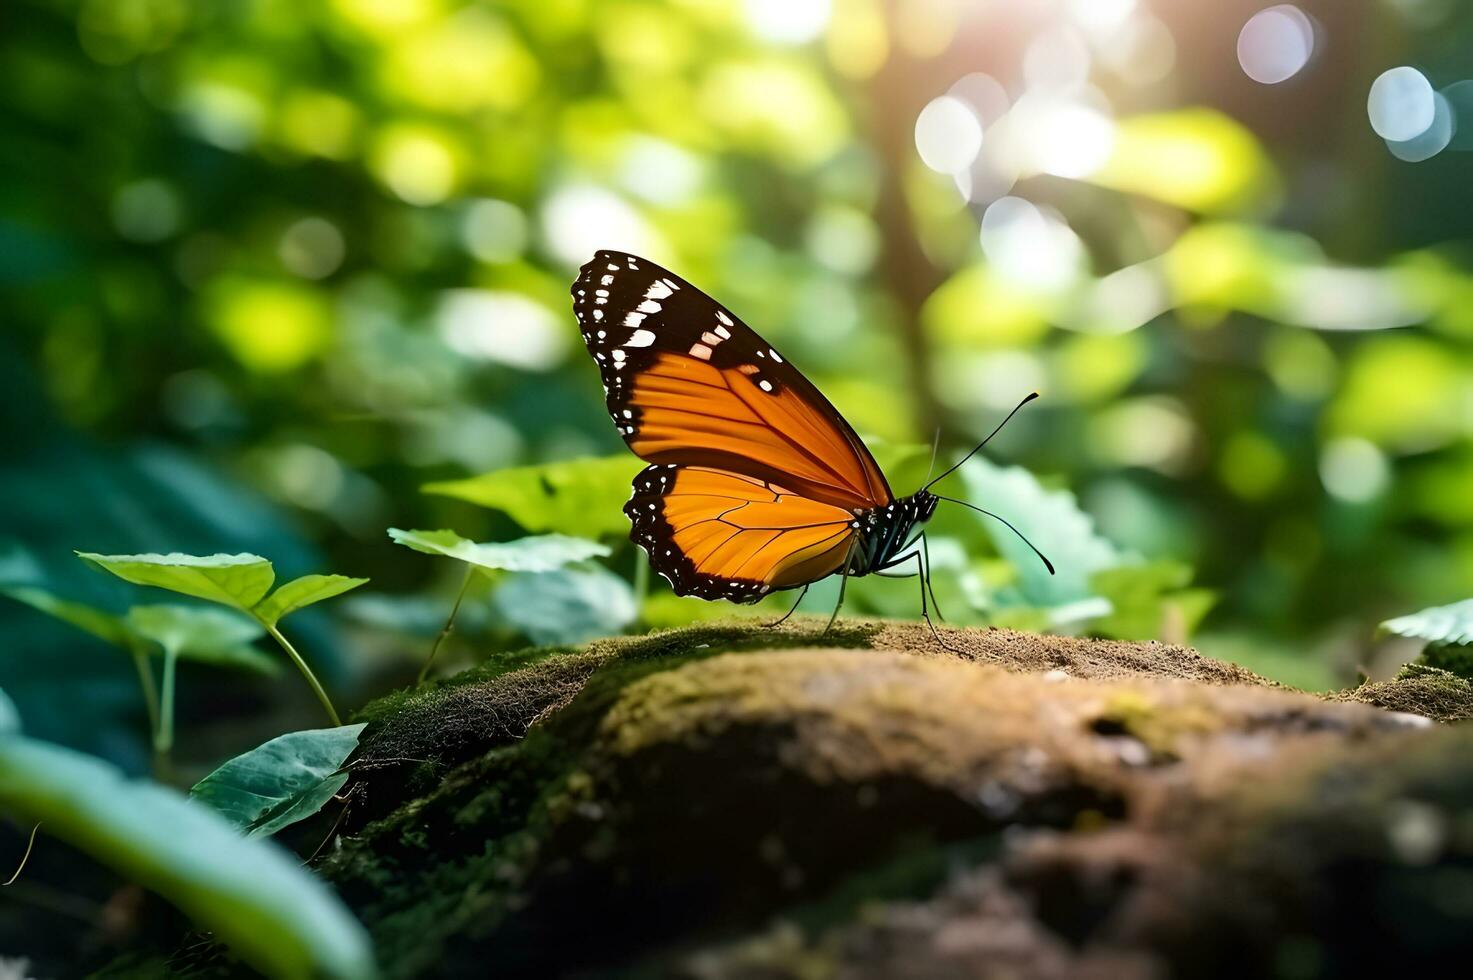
(270, 266)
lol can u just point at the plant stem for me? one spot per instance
(291, 651)
(163, 739)
(145, 681)
(641, 583)
(449, 623)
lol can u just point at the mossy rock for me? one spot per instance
(724, 801)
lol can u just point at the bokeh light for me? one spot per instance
(1030, 246)
(578, 220)
(948, 135)
(501, 326)
(1275, 44)
(494, 230)
(1071, 139)
(312, 248)
(1401, 104)
(1354, 470)
(146, 211)
(788, 21)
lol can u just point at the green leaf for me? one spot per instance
(232, 580)
(566, 606)
(252, 894)
(539, 553)
(212, 636)
(583, 497)
(1149, 601)
(101, 624)
(9, 717)
(1052, 520)
(1439, 624)
(281, 781)
(303, 592)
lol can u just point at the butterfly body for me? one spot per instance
(885, 532)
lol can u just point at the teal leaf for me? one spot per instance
(1052, 520)
(9, 717)
(100, 623)
(253, 895)
(566, 606)
(539, 553)
(301, 592)
(203, 634)
(281, 781)
(1451, 624)
(232, 580)
(582, 497)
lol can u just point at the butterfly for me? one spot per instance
(756, 483)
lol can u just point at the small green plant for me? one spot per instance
(1448, 631)
(241, 582)
(173, 632)
(537, 554)
(281, 781)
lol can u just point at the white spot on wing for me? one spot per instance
(659, 289)
(641, 338)
(710, 338)
(721, 315)
(633, 319)
(765, 385)
(648, 306)
(701, 351)
(775, 356)
(724, 333)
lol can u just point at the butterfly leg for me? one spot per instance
(926, 554)
(843, 581)
(778, 622)
(922, 565)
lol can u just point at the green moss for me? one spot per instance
(1420, 690)
(1158, 726)
(1455, 658)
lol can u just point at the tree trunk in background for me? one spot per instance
(896, 94)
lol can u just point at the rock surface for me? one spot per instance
(723, 802)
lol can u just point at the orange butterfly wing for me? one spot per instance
(720, 535)
(689, 385)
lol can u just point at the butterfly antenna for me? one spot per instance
(935, 445)
(1021, 537)
(984, 442)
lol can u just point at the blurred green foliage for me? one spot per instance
(320, 251)
(254, 896)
